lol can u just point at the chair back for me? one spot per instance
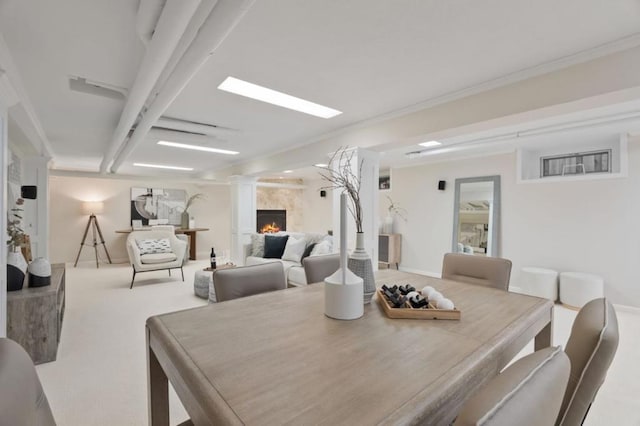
(317, 268)
(527, 393)
(482, 270)
(22, 399)
(591, 347)
(233, 283)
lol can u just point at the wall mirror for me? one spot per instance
(476, 216)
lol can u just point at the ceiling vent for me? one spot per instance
(97, 88)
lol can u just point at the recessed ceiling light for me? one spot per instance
(321, 165)
(288, 171)
(197, 147)
(160, 166)
(430, 143)
(253, 91)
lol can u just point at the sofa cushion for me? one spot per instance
(151, 246)
(307, 251)
(296, 276)
(323, 247)
(257, 245)
(274, 246)
(153, 258)
(294, 249)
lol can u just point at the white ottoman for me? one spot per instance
(202, 281)
(539, 282)
(577, 288)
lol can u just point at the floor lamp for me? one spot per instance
(92, 208)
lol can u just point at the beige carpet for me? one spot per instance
(99, 377)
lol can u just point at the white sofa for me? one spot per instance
(294, 271)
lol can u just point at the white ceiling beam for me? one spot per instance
(172, 23)
(222, 20)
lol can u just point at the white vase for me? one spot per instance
(360, 264)
(16, 269)
(387, 226)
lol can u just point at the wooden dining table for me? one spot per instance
(275, 358)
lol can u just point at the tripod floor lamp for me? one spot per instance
(92, 208)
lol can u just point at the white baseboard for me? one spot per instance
(627, 308)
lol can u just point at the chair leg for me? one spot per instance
(133, 278)
(182, 272)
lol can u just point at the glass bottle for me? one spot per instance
(213, 258)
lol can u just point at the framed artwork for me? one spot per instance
(160, 205)
(384, 180)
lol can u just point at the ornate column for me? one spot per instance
(243, 215)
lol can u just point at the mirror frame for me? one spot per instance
(496, 211)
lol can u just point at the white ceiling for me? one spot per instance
(363, 57)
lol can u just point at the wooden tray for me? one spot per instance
(409, 312)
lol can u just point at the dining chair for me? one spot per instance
(481, 270)
(22, 399)
(233, 283)
(317, 268)
(591, 347)
(527, 393)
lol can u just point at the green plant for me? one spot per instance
(394, 208)
(192, 199)
(15, 232)
(342, 177)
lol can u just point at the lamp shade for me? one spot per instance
(92, 207)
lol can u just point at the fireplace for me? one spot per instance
(271, 221)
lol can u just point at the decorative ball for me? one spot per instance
(39, 272)
(426, 291)
(435, 297)
(412, 293)
(444, 303)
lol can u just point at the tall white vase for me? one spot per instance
(387, 225)
(16, 270)
(360, 264)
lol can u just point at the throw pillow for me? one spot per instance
(323, 247)
(257, 245)
(307, 251)
(294, 249)
(153, 246)
(274, 246)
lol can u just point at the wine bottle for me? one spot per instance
(213, 258)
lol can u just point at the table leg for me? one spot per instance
(192, 245)
(544, 338)
(158, 388)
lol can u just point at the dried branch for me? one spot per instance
(342, 177)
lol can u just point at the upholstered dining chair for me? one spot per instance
(482, 270)
(148, 251)
(317, 268)
(527, 393)
(591, 347)
(233, 283)
(22, 399)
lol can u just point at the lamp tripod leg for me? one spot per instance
(102, 239)
(84, 238)
(95, 244)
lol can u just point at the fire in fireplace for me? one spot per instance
(271, 221)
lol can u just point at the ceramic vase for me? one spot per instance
(184, 220)
(16, 269)
(360, 264)
(387, 225)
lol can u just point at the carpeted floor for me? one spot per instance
(99, 377)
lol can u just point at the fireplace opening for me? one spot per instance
(271, 221)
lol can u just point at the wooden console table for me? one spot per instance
(34, 316)
(191, 232)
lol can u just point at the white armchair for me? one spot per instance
(157, 258)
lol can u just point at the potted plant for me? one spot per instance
(185, 214)
(16, 263)
(393, 210)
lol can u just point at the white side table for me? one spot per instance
(539, 282)
(578, 288)
(202, 281)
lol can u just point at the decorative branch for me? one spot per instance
(394, 208)
(192, 199)
(342, 177)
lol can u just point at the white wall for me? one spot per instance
(67, 223)
(587, 226)
(318, 210)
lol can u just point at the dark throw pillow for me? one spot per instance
(274, 246)
(307, 251)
